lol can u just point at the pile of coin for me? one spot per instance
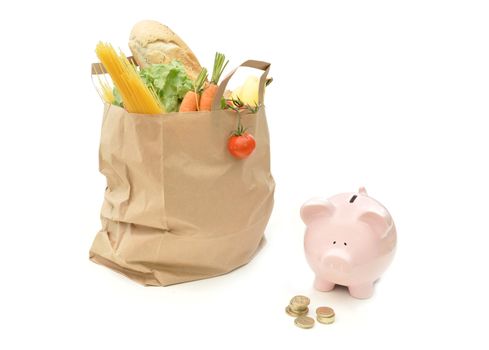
(325, 315)
(298, 306)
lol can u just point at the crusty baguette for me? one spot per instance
(152, 42)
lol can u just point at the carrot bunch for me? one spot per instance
(201, 98)
(191, 100)
(210, 91)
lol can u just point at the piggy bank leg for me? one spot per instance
(362, 291)
(323, 285)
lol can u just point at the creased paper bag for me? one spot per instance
(178, 207)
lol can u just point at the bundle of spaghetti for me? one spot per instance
(136, 96)
(104, 88)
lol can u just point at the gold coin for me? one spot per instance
(325, 311)
(299, 302)
(300, 309)
(304, 322)
(295, 313)
(326, 320)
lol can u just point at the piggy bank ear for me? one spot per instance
(378, 221)
(315, 208)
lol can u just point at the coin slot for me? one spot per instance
(353, 198)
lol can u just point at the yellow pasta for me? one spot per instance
(104, 87)
(137, 97)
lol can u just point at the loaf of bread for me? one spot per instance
(152, 42)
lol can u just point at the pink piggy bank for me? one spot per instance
(350, 240)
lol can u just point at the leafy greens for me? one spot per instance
(169, 81)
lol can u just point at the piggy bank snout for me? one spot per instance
(337, 262)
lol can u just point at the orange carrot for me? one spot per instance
(208, 97)
(210, 90)
(190, 102)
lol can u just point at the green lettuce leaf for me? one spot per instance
(117, 98)
(169, 81)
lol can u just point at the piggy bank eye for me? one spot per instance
(344, 243)
(334, 242)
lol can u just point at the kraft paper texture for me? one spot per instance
(178, 207)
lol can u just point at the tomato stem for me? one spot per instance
(237, 105)
(240, 129)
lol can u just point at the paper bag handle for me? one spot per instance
(264, 66)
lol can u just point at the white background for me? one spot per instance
(387, 94)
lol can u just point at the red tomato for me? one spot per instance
(241, 146)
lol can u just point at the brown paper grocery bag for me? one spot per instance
(178, 207)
